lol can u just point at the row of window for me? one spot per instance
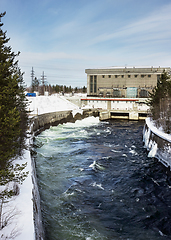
(93, 80)
(129, 76)
(98, 101)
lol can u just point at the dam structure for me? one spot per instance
(118, 108)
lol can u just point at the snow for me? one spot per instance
(153, 147)
(22, 206)
(25, 204)
(146, 137)
(157, 131)
(162, 153)
(23, 222)
(46, 104)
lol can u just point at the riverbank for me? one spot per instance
(45, 112)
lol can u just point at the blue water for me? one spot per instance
(96, 182)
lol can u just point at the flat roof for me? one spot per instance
(126, 69)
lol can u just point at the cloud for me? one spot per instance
(153, 27)
(49, 56)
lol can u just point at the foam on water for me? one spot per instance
(96, 166)
(99, 185)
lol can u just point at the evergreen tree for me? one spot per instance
(13, 126)
(84, 89)
(76, 89)
(35, 84)
(13, 114)
(70, 89)
(160, 100)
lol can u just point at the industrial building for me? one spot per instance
(123, 82)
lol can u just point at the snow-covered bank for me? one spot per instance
(157, 143)
(46, 104)
(20, 208)
(25, 204)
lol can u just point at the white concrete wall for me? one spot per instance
(115, 105)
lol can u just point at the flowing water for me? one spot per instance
(96, 182)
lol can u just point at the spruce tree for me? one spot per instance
(160, 102)
(13, 114)
(13, 127)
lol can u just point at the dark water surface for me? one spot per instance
(96, 182)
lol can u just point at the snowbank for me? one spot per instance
(20, 208)
(24, 203)
(46, 104)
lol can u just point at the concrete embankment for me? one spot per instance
(41, 122)
(157, 143)
(38, 124)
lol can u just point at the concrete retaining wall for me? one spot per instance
(157, 143)
(41, 122)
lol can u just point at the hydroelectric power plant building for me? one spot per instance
(123, 82)
(121, 92)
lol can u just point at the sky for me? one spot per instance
(63, 38)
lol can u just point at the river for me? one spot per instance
(97, 182)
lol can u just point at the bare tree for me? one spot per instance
(9, 213)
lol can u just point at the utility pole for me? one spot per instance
(32, 78)
(43, 77)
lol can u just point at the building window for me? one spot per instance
(109, 76)
(129, 76)
(103, 76)
(116, 76)
(122, 76)
(95, 84)
(135, 76)
(142, 76)
(149, 76)
(91, 84)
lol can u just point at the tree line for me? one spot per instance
(38, 86)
